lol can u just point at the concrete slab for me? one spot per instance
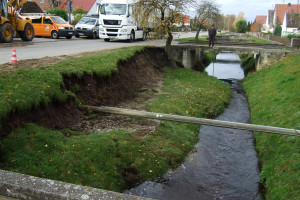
(20, 186)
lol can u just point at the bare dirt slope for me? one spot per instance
(136, 82)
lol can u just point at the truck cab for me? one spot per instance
(116, 21)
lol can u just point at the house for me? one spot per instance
(291, 23)
(281, 10)
(62, 4)
(93, 9)
(260, 24)
(270, 21)
(85, 5)
(183, 20)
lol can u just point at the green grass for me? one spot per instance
(27, 88)
(101, 159)
(258, 40)
(248, 62)
(203, 38)
(274, 99)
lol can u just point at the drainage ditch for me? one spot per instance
(224, 164)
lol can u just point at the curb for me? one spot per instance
(22, 186)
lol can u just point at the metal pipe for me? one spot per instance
(193, 120)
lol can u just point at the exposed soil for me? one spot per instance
(136, 82)
(31, 7)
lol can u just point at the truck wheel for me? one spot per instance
(7, 33)
(54, 35)
(69, 37)
(144, 37)
(28, 33)
(132, 36)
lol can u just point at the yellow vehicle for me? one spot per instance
(11, 22)
(50, 25)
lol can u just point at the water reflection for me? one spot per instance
(226, 66)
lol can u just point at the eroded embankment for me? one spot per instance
(64, 142)
(141, 71)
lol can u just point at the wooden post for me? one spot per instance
(193, 120)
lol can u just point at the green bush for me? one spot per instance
(78, 13)
(241, 26)
(290, 36)
(278, 30)
(59, 12)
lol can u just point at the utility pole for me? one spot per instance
(70, 10)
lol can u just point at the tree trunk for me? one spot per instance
(169, 38)
(197, 34)
(168, 49)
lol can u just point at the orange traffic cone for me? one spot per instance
(14, 57)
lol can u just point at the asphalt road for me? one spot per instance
(43, 47)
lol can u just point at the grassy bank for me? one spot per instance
(202, 38)
(248, 62)
(274, 98)
(112, 159)
(31, 87)
(258, 40)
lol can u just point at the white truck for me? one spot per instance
(116, 21)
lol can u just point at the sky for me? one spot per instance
(251, 8)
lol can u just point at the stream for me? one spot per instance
(224, 164)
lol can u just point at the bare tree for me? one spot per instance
(54, 3)
(229, 19)
(238, 18)
(161, 15)
(207, 12)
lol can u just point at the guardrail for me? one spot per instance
(193, 120)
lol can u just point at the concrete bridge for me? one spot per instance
(192, 54)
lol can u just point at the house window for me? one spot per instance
(42, 1)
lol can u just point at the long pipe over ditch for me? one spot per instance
(193, 120)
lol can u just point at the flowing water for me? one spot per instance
(224, 165)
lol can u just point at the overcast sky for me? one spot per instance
(251, 8)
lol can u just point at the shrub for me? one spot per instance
(278, 30)
(241, 26)
(78, 13)
(290, 36)
(59, 12)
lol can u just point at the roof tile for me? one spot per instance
(281, 9)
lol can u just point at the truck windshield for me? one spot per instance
(113, 9)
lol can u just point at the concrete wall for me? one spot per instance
(21, 186)
(192, 56)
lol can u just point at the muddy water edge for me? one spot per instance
(224, 164)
